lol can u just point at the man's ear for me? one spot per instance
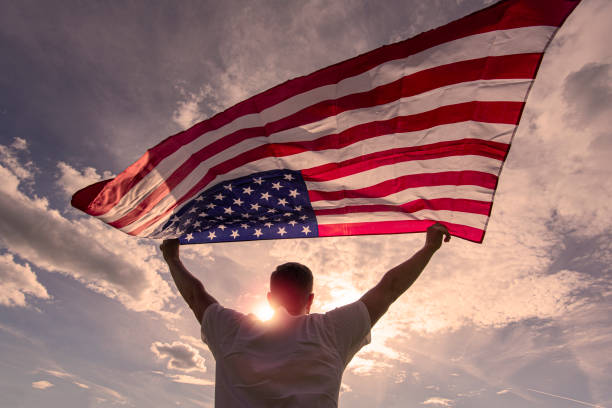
(309, 302)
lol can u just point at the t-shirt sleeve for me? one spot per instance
(351, 327)
(219, 327)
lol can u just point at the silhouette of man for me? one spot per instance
(296, 359)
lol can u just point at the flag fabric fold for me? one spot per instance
(387, 142)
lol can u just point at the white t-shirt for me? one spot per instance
(288, 361)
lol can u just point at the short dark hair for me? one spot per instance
(293, 275)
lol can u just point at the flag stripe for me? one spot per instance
(449, 204)
(394, 227)
(498, 112)
(354, 165)
(382, 189)
(468, 192)
(471, 220)
(526, 40)
(380, 174)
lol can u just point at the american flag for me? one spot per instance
(386, 142)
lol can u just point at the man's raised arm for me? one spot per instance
(188, 285)
(397, 280)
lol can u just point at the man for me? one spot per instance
(296, 359)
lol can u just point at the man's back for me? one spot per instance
(289, 361)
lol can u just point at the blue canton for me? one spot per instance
(268, 205)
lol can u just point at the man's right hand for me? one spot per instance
(435, 233)
(170, 248)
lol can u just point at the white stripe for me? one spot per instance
(483, 90)
(498, 132)
(411, 194)
(469, 219)
(496, 43)
(377, 175)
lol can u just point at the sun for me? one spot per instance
(264, 312)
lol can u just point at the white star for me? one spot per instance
(306, 229)
(277, 186)
(262, 218)
(200, 198)
(281, 231)
(255, 207)
(272, 210)
(288, 177)
(189, 237)
(175, 219)
(258, 180)
(303, 217)
(211, 205)
(228, 187)
(235, 234)
(244, 226)
(268, 224)
(258, 232)
(222, 227)
(187, 222)
(212, 235)
(228, 210)
(193, 209)
(196, 224)
(294, 193)
(219, 196)
(238, 201)
(287, 214)
(247, 190)
(179, 231)
(246, 215)
(293, 222)
(202, 214)
(265, 196)
(298, 208)
(277, 219)
(282, 201)
(220, 218)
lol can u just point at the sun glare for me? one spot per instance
(264, 312)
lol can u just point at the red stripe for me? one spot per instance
(504, 67)
(501, 16)
(478, 147)
(438, 204)
(383, 189)
(494, 112)
(398, 227)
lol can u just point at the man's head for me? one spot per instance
(291, 287)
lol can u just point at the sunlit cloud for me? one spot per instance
(17, 281)
(71, 180)
(438, 401)
(180, 356)
(42, 385)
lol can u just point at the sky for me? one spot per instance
(89, 316)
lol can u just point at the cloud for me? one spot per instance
(504, 391)
(189, 110)
(96, 388)
(42, 385)
(72, 180)
(104, 259)
(588, 92)
(443, 402)
(188, 379)
(180, 356)
(9, 157)
(16, 281)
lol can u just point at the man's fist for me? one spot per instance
(435, 233)
(170, 248)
